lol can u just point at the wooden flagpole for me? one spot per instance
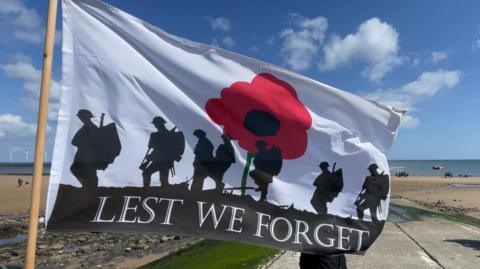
(40, 140)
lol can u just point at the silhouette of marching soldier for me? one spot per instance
(268, 163)
(164, 147)
(329, 185)
(97, 148)
(375, 188)
(202, 164)
(224, 158)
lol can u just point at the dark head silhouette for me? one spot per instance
(226, 138)
(324, 166)
(85, 116)
(158, 121)
(199, 133)
(261, 145)
(261, 123)
(373, 169)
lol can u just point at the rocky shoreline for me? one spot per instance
(440, 205)
(82, 249)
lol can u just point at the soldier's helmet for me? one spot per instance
(84, 114)
(260, 143)
(373, 168)
(199, 133)
(226, 137)
(158, 120)
(324, 165)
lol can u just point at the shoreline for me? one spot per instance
(76, 250)
(436, 193)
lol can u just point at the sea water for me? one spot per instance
(425, 167)
(21, 168)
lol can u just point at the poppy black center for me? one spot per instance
(261, 123)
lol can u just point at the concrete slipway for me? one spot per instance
(423, 240)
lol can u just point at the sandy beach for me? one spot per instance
(17, 200)
(435, 192)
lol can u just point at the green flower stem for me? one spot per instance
(245, 171)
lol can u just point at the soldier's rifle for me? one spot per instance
(102, 117)
(360, 197)
(145, 161)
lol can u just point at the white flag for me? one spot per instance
(161, 134)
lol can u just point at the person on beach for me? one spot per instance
(19, 182)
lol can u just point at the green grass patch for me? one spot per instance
(216, 255)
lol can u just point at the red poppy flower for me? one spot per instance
(266, 109)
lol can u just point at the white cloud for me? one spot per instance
(476, 42)
(302, 42)
(228, 42)
(409, 122)
(375, 43)
(13, 125)
(20, 22)
(220, 23)
(438, 56)
(427, 85)
(430, 83)
(25, 71)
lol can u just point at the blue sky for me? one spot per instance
(419, 55)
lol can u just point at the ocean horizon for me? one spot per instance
(412, 167)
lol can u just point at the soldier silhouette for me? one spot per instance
(329, 185)
(164, 147)
(87, 140)
(268, 163)
(224, 158)
(98, 146)
(375, 188)
(203, 162)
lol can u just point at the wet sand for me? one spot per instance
(435, 192)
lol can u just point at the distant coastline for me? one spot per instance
(412, 167)
(21, 168)
(425, 167)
